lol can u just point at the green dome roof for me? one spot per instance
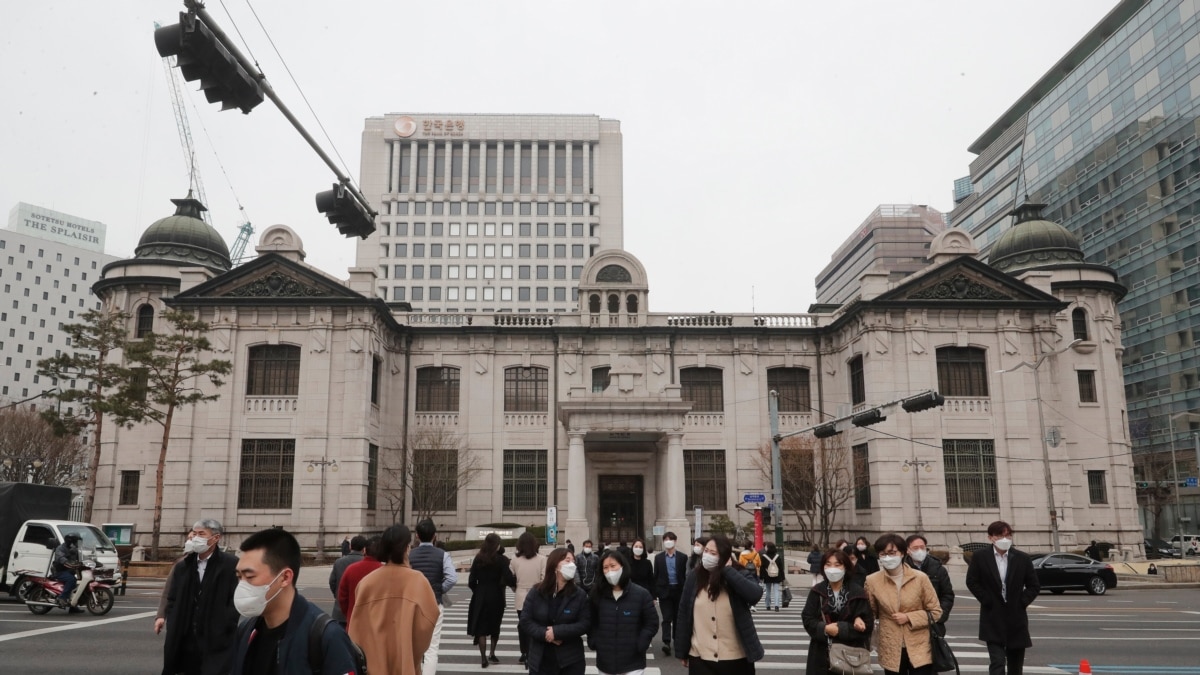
(184, 237)
(1033, 242)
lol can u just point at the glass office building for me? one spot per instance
(1108, 140)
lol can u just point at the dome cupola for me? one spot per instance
(184, 237)
(1033, 242)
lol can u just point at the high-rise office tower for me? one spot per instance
(489, 213)
(1107, 139)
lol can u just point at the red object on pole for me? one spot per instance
(758, 529)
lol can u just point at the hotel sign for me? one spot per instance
(55, 226)
(407, 127)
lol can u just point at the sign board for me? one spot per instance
(551, 524)
(1192, 481)
(699, 522)
(754, 498)
(56, 226)
(551, 534)
(659, 530)
(121, 534)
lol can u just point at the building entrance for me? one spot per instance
(620, 514)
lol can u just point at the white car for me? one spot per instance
(1191, 544)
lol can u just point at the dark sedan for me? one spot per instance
(1059, 572)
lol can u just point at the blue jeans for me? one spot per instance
(774, 593)
(68, 580)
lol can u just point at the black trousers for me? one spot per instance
(669, 606)
(906, 667)
(999, 655)
(697, 666)
(522, 638)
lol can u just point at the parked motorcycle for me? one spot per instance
(40, 593)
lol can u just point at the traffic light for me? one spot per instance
(826, 430)
(766, 514)
(202, 56)
(922, 401)
(868, 417)
(343, 210)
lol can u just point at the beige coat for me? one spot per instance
(393, 619)
(529, 573)
(914, 597)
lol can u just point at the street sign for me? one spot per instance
(1193, 481)
(754, 498)
(551, 524)
(660, 530)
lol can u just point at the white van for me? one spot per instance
(1191, 544)
(33, 549)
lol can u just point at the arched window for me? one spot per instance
(962, 371)
(526, 389)
(704, 388)
(858, 381)
(437, 389)
(274, 371)
(614, 304)
(145, 321)
(1079, 323)
(594, 303)
(631, 304)
(792, 385)
(600, 379)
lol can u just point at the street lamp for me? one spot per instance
(1037, 389)
(1175, 474)
(914, 464)
(30, 466)
(333, 466)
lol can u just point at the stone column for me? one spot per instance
(577, 522)
(394, 181)
(670, 481)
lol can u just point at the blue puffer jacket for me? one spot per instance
(744, 592)
(568, 612)
(622, 629)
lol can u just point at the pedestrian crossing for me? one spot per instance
(781, 633)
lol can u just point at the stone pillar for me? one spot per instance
(577, 528)
(670, 483)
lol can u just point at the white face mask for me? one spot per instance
(697, 550)
(862, 547)
(638, 550)
(251, 600)
(889, 562)
(668, 544)
(567, 571)
(834, 574)
(613, 576)
(196, 545)
(1004, 544)
(710, 561)
(587, 549)
(918, 555)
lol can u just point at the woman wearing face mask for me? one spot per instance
(529, 568)
(902, 599)
(624, 620)
(697, 552)
(715, 632)
(837, 610)
(490, 573)
(866, 561)
(772, 583)
(556, 616)
(641, 570)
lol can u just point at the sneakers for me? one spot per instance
(753, 608)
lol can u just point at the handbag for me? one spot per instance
(943, 656)
(847, 660)
(787, 596)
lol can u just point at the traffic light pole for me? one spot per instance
(776, 472)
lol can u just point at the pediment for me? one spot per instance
(964, 280)
(272, 277)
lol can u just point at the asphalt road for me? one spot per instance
(1127, 632)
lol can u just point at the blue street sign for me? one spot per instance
(754, 498)
(1192, 481)
(552, 534)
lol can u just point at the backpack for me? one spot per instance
(772, 568)
(316, 647)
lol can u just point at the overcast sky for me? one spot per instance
(757, 135)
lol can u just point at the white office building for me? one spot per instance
(489, 213)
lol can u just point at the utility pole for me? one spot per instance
(333, 466)
(776, 471)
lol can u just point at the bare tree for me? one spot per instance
(817, 480)
(168, 369)
(1154, 489)
(31, 450)
(433, 469)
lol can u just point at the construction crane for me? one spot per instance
(237, 252)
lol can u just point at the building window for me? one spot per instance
(858, 382)
(970, 473)
(130, 484)
(435, 479)
(1087, 386)
(372, 475)
(526, 389)
(704, 479)
(1079, 323)
(268, 466)
(376, 372)
(792, 386)
(962, 371)
(703, 388)
(145, 321)
(862, 477)
(274, 371)
(1097, 488)
(600, 379)
(524, 480)
(437, 389)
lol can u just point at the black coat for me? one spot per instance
(487, 582)
(662, 587)
(817, 609)
(568, 612)
(622, 629)
(1001, 622)
(766, 564)
(641, 572)
(216, 619)
(940, 578)
(744, 592)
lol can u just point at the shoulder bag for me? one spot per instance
(943, 656)
(847, 660)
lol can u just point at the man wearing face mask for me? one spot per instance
(275, 639)
(918, 557)
(1002, 579)
(588, 563)
(670, 570)
(200, 618)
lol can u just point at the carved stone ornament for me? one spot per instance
(613, 273)
(959, 287)
(276, 285)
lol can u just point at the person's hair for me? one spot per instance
(394, 544)
(840, 543)
(714, 581)
(527, 545)
(703, 541)
(645, 553)
(602, 590)
(209, 524)
(670, 535)
(280, 550)
(913, 537)
(358, 543)
(870, 549)
(587, 542)
(891, 538)
(770, 548)
(840, 556)
(998, 528)
(372, 548)
(489, 553)
(425, 530)
(549, 585)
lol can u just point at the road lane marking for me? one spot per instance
(1154, 629)
(74, 626)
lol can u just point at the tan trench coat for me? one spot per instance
(915, 596)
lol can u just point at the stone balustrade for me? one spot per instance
(272, 404)
(435, 420)
(527, 420)
(701, 420)
(967, 406)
